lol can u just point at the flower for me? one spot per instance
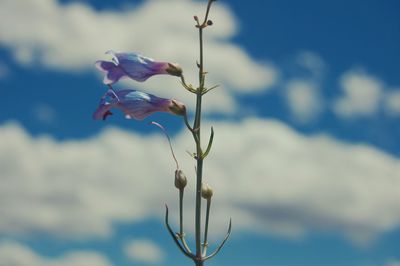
(136, 104)
(134, 66)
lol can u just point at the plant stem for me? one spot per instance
(199, 263)
(206, 228)
(199, 155)
(196, 134)
(181, 191)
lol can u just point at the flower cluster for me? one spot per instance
(135, 104)
(138, 105)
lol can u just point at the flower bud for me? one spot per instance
(174, 69)
(206, 191)
(177, 107)
(180, 179)
(209, 22)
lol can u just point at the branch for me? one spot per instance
(223, 242)
(173, 235)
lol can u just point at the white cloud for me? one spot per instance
(15, 254)
(393, 262)
(362, 95)
(392, 102)
(267, 177)
(144, 250)
(72, 37)
(304, 100)
(312, 62)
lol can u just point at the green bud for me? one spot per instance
(206, 191)
(180, 179)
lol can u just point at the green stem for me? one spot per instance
(206, 228)
(199, 156)
(181, 212)
(198, 207)
(199, 261)
(181, 234)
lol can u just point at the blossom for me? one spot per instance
(134, 66)
(136, 104)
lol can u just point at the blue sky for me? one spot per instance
(306, 155)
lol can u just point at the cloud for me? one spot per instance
(44, 113)
(392, 102)
(365, 95)
(362, 95)
(304, 100)
(301, 89)
(12, 253)
(393, 262)
(144, 250)
(267, 177)
(312, 62)
(55, 30)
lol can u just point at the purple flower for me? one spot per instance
(134, 66)
(136, 104)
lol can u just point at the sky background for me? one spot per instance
(306, 151)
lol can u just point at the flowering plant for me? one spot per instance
(138, 105)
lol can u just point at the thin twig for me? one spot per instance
(205, 244)
(174, 237)
(169, 141)
(223, 242)
(185, 118)
(184, 243)
(181, 191)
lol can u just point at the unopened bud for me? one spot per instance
(206, 191)
(209, 22)
(196, 18)
(177, 107)
(180, 179)
(174, 69)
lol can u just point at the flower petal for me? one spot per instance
(134, 66)
(136, 104)
(139, 105)
(113, 72)
(108, 101)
